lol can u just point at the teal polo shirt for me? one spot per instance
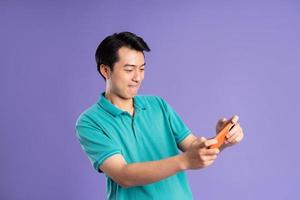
(152, 133)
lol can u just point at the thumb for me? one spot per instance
(201, 142)
(223, 120)
(235, 119)
(202, 139)
(221, 123)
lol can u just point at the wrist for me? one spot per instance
(182, 162)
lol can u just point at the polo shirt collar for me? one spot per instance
(115, 111)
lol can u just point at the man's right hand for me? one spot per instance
(199, 155)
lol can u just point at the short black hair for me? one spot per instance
(107, 50)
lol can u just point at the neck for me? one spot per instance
(123, 104)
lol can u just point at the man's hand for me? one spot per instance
(199, 155)
(235, 135)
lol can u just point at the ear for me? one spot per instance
(105, 71)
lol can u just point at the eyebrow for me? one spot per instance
(128, 65)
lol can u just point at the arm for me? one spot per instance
(129, 175)
(187, 142)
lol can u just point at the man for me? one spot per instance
(135, 140)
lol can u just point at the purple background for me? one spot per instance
(208, 60)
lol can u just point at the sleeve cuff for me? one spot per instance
(183, 136)
(99, 162)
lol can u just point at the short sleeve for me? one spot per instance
(179, 129)
(95, 143)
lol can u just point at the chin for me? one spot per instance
(131, 94)
(128, 96)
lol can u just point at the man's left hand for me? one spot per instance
(235, 135)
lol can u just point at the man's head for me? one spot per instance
(120, 61)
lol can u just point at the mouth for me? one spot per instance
(133, 86)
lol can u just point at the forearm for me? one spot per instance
(148, 172)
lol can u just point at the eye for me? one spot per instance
(128, 70)
(142, 69)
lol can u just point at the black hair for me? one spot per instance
(107, 50)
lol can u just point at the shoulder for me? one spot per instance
(88, 115)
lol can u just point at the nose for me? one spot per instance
(138, 76)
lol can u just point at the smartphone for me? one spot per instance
(221, 136)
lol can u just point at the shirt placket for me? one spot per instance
(132, 124)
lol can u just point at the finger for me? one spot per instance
(214, 151)
(207, 163)
(236, 128)
(232, 135)
(234, 138)
(240, 137)
(209, 142)
(206, 158)
(234, 119)
(212, 158)
(209, 158)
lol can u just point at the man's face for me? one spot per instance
(127, 74)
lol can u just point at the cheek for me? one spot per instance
(142, 75)
(123, 81)
(116, 81)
